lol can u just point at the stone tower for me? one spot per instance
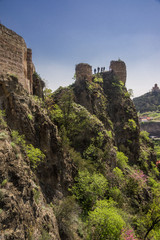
(119, 69)
(83, 72)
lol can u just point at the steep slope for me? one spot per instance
(28, 190)
(62, 156)
(109, 101)
(99, 127)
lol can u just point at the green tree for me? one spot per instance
(35, 155)
(105, 222)
(89, 187)
(152, 218)
(122, 160)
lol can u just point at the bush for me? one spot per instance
(118, 173)
(104, 222)
(4, 183)
(18, 139)
(67, 215)
(2, 121)
(144, 135)
(131, 125)
(30, 116)
(35, 155)
(122, 160)
(116, 195)
(3, 135)
(89, 187)
(128, 234)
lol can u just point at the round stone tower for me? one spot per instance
(83, 72)
(119, 68)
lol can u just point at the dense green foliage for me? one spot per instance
(89, 188)
(104, 221)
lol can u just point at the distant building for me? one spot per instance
(155, 88)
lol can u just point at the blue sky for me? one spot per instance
(64, 33)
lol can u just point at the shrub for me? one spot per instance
(67, 215)
(36, 194)
(118, 173)
(18, 139)
(122, 160)
(5, 181)
(35, 155)
(104, 221)
(98, 79)
(3, 135)
(45, 235)
(131, 125)
(116, 195)
(89, 187)
(30, 116)
(1, 195)
(128, 234)
(2, 121)
(145, 135)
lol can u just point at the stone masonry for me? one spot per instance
(15, 58)
(119, 69)
(83, 72)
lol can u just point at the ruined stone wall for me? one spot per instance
(15, 58)
(83, 72)
(119, 68)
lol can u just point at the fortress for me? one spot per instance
(84, 71)
(16, 59)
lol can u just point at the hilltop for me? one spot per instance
(149, 101)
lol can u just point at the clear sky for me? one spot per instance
(63, 33)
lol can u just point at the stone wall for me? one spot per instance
(83, 72)
(15, 58)
(119, 69)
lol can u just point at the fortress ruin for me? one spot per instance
(84, 71)
(16, 58)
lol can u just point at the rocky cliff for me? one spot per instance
(67, 154)
(45, 143)
(26, 194)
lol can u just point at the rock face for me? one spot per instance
(25, 213)
(26, 192)
(38, 85)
